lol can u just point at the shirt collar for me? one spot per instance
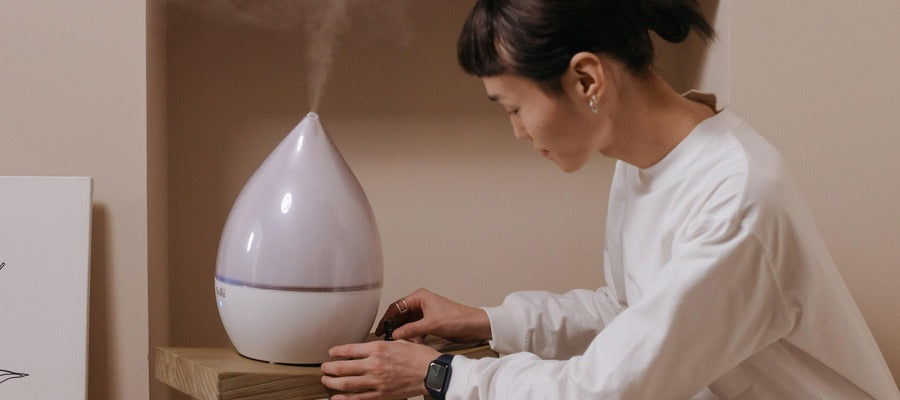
(690, 149)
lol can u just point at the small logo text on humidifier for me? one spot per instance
(2, 264)
(220, 296)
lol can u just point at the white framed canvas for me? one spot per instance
(45, 225)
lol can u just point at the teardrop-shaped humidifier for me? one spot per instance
(299, 268)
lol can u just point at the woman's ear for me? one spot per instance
(586, 72)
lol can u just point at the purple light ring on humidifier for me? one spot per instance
(298, 288)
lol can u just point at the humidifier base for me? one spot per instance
(294, 327)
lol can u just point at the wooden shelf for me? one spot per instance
(223, 374)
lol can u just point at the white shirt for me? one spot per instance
(729, 292)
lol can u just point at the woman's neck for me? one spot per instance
(651, 119)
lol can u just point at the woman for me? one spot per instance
(719, 284)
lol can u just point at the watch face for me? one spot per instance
(436, 375)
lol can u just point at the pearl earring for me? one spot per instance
(592, 103)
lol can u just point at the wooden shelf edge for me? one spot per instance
(223, 374)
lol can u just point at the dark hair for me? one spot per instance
(537, 38)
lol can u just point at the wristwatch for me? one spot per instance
(437, 379)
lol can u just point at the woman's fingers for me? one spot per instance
(415, 299)
(417, 339)
(384, 370)
(353, 350)
(348, 383)
(344, 368)
(357, 396)
(411, 330)
(394, 312)
(404, 310)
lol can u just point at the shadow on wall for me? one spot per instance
(98, 353)
(681, 65)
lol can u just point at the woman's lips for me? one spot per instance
(544, 152)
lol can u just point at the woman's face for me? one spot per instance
(558, 125)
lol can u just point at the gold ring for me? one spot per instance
(404, 309)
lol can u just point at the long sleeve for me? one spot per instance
(553, 326)
(711, 306)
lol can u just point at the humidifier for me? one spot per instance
(299, 268)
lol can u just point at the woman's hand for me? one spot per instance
(425, 313)
(378, 370)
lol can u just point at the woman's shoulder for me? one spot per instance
(762, 191)
(765, 171)
(741, 173)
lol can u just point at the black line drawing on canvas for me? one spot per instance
(7, 375)
(4, 374)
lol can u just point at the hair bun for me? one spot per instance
(672, 20)
(536, 39)
(669, 28)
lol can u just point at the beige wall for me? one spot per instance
(73, 102)
(819, 80)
